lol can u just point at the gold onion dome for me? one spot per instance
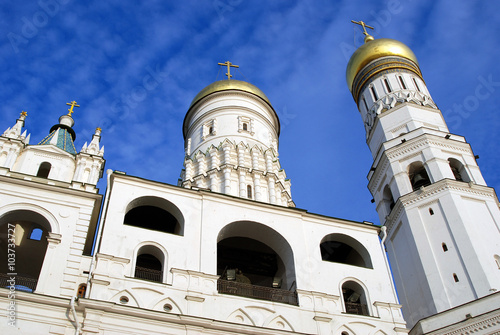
(227, 85)
(374, 49)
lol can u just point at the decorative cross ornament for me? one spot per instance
(229, 66)
(364, 25)
(72, 104)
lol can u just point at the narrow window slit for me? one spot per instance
(416, 85)
(375, 96)
(386, 82)
(403, 86)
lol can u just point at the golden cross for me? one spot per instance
(72, 104)
(364, 25)
(229, 66)
(23, 113)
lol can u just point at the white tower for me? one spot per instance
(49, 203)
(442, 219)
(231, 139)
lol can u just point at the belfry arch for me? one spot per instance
(28, 231)
(341, 248)
(155, 213)
(257, 258)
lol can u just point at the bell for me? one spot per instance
(419, 180)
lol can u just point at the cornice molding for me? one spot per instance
(424, 193)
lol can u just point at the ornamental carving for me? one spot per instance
(392, 100)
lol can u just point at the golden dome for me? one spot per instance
(374, 49)
(225, 85)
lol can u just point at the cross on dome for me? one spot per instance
(72, 104)
(229, 66)
(368, 37)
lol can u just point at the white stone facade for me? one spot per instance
(443, 222)
(187, 288)
(189, 260)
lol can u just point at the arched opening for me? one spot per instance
(387, 86)
(340, 248)
(416, 84)
(255, 261)
(402, 83)
(374, 93)
(43, 170)
(81, 291)
(497, 260)
(388, 199)
(25, 237)
(455, 278)
(458, 170)
(245, 126)
(355, 300)
(156, 214)
(445, 247)
(149, 264)
(249, 192)
(418, 175)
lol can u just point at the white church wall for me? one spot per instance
(191, 268)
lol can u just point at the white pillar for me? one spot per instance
(227, 180)
(256, 182)
(272, 191)
(243, 183)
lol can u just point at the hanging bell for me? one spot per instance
(419, 180)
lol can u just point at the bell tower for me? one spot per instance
(231, 136)
(442, 220)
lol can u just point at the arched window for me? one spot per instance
(255, 261)
(354, 296)
(458, 170)
(497, 260)
(156, 214)
(81, 291)
(455, 277)
(445, 247)
(43, 170)
(149, 264)
(418, 176)
(249, 192)
(245, 126)
(416, 84)
(401, 81)
(388, 199)
(31, 231)
(340, 248)
(374, 93)
(387, 87)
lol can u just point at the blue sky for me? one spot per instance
(135, 66)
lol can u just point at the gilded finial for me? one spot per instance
(23, 113)
(72, 104)
(98, 129)
(368, 37)
(229, 66)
